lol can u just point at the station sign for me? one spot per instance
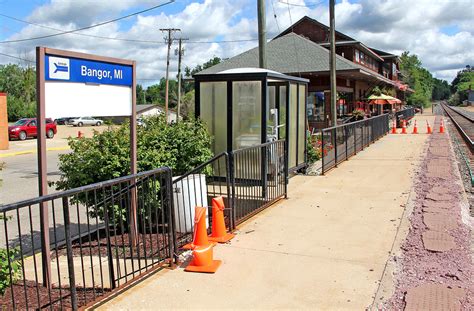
(77, 85)
(72, 84)
(86, 71)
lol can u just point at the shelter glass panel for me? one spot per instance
(271, 104)
(213, 101)
(301, 122)
(282, 113)
(246, 114)
(293, 125)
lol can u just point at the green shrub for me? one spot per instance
(15, 264)
(181, 146)
(314, 153)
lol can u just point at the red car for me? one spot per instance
(25, 128)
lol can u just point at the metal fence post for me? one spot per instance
(335, 146)
(70, 260)
(110, 258)
(345, 139)
(173, 243)
(285, 153)
(322, 152)
(230, 192)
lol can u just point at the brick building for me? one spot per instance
(303, 50)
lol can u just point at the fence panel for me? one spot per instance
(405, 114)
(259, 177)
(343, 141)
(96, 244)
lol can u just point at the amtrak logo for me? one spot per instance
(59, 68)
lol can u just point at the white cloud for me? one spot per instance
(391, 25)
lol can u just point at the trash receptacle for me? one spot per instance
(188, 193)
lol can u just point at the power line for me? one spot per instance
(125, 39)
(294, 42)
(306, 5)
(16, 57)
(91, 26)
(275, 16)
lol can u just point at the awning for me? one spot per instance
(383, 99)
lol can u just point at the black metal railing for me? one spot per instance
(106, 235)
(404, 115)
(259, 177)
(339, 143)
(96, 244)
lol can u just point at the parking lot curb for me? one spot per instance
(12, 154)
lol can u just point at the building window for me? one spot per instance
(316, 106)
(357, 56)
(362, 58)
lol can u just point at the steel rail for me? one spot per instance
(462, 131)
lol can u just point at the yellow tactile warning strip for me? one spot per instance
(437, 241)
(433, 297)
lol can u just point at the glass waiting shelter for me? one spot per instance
(249, 106)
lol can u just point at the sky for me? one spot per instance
(440, 32)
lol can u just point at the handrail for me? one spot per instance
(198, 168)
(74, 191)
(259, 146)
(355, 122)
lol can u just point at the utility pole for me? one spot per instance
(262, 40)
(169, 40)
(332, 62)
(180, 52)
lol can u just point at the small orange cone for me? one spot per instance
(200, 231)
(441, 127)
(429, 131)
(415, 129)
(203, 260)
(404, 127)
(394, 127)
(219, 233)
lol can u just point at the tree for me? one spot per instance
(181, 146)
(141, 95)
(441, 89)
(418, 78)
(20, 85)
(213, 61)
(463, 82)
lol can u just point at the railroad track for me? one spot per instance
(464, 122)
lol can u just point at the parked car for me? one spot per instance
(64, 121)
(25, 128)
(86, 121)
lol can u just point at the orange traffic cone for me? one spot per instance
(200, 232)
(394, 127)
(404, 127)
(219, 233)
(428, 127)
(415, 129)
(441, 127)
(203, 260)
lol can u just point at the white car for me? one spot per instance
(85, 121)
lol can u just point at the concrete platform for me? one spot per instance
(324, 248)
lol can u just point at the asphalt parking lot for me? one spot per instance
(20, 172)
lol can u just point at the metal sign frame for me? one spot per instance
(41, 52)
